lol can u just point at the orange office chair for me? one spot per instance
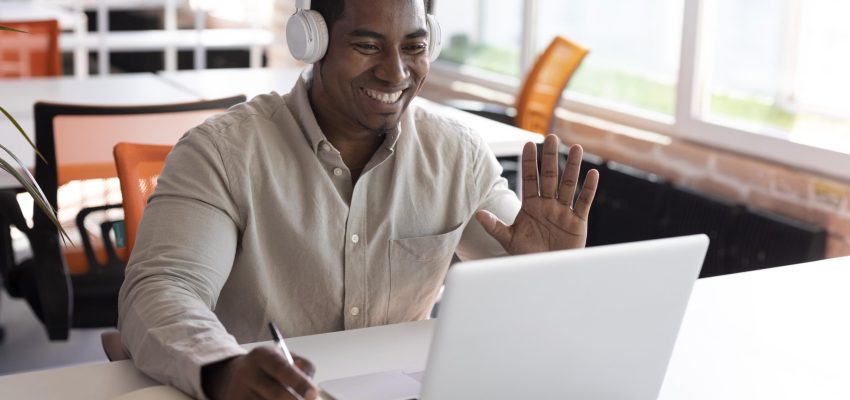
(139, 166)
(541, 90)
(31, 54)
(77, 285)
(538, 98)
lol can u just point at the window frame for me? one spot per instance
(688, 121)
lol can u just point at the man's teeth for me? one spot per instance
(388, 98)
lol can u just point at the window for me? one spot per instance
(482, 33)
(763, 77)
(779, 67)
(634, 48)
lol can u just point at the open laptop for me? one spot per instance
(594, 323)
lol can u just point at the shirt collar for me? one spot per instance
(303, 112)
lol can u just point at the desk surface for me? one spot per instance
(780, 333)
(128, 89)
(31, 11)
(184, 86)
(214, 83)
(771, 334)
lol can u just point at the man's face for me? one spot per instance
(376, 62)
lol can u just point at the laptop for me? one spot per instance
(593, 323)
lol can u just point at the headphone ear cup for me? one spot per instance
(307, 36)
(435, 37)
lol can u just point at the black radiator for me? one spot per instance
(634, 205)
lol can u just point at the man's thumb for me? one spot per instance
(495, 227)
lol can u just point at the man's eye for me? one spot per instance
(416, 48)
(366, 47)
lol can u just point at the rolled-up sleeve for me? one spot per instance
(489, 192)
(182, 258)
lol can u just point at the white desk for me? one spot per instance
(216, 83)
(210, 84)
(19, 96)
(781, 333)
(32, 11)
(773, 334)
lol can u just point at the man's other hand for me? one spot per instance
(261, 374)
(548, 219)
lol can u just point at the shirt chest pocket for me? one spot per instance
(418, 266)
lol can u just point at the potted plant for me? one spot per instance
(22, 174)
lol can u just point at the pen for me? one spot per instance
(278, 339)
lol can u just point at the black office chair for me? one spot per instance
(77, 285)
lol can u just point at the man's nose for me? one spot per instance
(393, 69)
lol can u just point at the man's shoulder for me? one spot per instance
(440, 126)
(264, 107)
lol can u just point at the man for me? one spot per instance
(332, 207)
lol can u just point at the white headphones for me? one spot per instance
(307, 34)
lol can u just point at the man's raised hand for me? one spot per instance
(549, 218)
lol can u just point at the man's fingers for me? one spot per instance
(495, 227)
(569, 180)
(588, 191)
(529, 170)
(305, 366)
(269, 388)
(278, 369)
(549, 168)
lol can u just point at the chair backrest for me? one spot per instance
(35, 53)
(542, 88)
(76, 142)
(139, 166)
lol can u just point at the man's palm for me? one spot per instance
(548, 219)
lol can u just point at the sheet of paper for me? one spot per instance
(154, 392)
(390, 385)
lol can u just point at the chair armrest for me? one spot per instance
(41, 280)
(10, 215)
(111, 254)
(495, 112)
(94, 265)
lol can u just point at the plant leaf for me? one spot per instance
(28, 182)
(12, 119)
(6, 28)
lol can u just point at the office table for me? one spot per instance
(779, 333)
(215, 83)
(186, 86)
(19, 96)
(32, 11)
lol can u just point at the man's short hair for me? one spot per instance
(331, 10)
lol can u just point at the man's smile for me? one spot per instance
(383, 97)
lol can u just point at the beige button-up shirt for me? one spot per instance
(255, 218)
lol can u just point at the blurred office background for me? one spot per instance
(745, 104)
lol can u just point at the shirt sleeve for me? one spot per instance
(490, 192)
(183, 254)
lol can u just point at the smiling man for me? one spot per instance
(335, 206)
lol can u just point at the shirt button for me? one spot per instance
(355, 238)
(355, 311)
(326, 147)
(338, 171)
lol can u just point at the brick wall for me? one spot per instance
(767, 185)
